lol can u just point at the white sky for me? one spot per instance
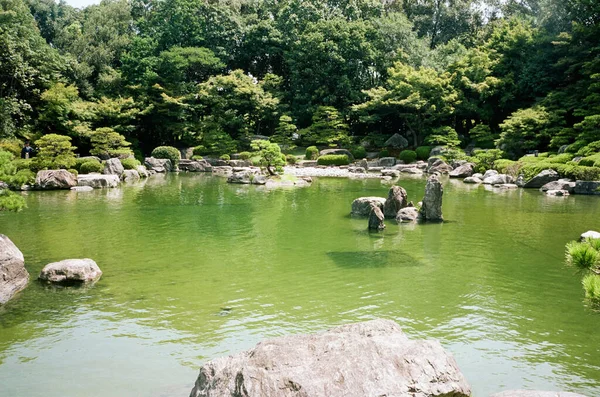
(81, 3)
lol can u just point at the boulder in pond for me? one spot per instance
(535, 393)
(71, 271)
(142, 171)
(245, 177)
(82, 189)
(13, 275)
(431, 209)
(438, 165)
(462, 171)
(130, 176)
(55, 179)
(113, 167)
(472, 179)
(408, 214)
(541, 179)
(362, 205)
(498, 179)
(589, 234)
(376, 218)
(489, 173)
(412, 171)
(357, 170)
(158, 165)
(587, 187)
(557, 193)
(195, 166)
(98, 181)
(561, 184)
(387, 162)
(396, 200)
(373, 358)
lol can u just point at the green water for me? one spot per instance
(195, 268)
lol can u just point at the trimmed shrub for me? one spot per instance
(312, 153)
(73, 171)
(408, 156)
(333, 159)
(12, 146)
(591, 161)
(589, 149)
(197, 157)
(91, 166)
(225, 157)
(529, 170)
(245, 155)
(559, 159)
(54, 152)
(423, 152)
(359, 152)
(591, 286)
(22, 177)
(384, 153)
(167, 152)
(130, 163)
(291, 159)
(22, 164)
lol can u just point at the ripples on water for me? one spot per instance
(195, 269)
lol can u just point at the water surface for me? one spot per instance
(195, 269)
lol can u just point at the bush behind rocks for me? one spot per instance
(333, 159)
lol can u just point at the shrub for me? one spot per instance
(291, 159)
(22, 177)
(591, 286)
(423, 152)
(384, 153)
(589, 149)
(531, 169)
(54, 152)
(591, 161)
(581, 255)
(452, 154)
(130, 163)
(225, 157)
(245, 155)
(91, 166)
(485, 159)
(408, 156)
(10, 201)
(73, 171)
(333, 159)
(22, 164)
(108, 143)
(197, 157)
(359, 152)
(269, 155)
(167, 152)
(559, 159)
(200, 151)
(312, 153)
(12, 146)
(503, 166)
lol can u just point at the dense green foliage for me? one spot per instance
(90, 166)
(408, 156)
(333, 159)
(519, 76)
(312, 153)
(268, 155)
(585, 256)
(167, 152)
(130, 163)
(423, 152)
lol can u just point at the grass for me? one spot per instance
(581, 255)
(591, 286)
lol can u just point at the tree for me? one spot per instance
(525, 129)
(54, 152)
(107, 143)
(328, 128)
(286, 133)
(269, 155)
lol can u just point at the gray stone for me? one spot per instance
(587, 187)
(186, 153)
(13, 275)
(520, 182)
(387, 161)
(337, 151)
(71, 271)
(390, 172)
(535, 393)
(472, 179)
(561, 184)
(308, 163)
(414, 171)
(373, 358)
(457, 163)
(489, 173)
(222, 170)
(408, 214)
(438, 165)
(557, 192)
(98, 181)
(357, 170)
(589, 234)
(130, 176)
(507, 186)
(240, 163)
(478, 176)
(436, 151)
(562, 149)
(158, 165)
(362, 206)
(3, 185)
(55, 179)
(113, 167)
(243, 177)
(431, 209)
(260, 180)
(195, 166)
(541, 179)
(396, 200)
(364, 164)
(82, 188)
(142, 171)
(376, 218)
(498, 179)
(462, 171)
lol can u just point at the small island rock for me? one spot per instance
(431, 209)
(376, 218)
(71, 271)
(362, 206)
(396, 200)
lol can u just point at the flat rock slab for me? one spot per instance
(98, 181)
(13, 276)
(535, 393)
(71, 271)
(373, 358)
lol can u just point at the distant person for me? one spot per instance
(27, 151)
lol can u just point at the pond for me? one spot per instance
(195, 268)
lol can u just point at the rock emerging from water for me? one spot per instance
(195, 166)
(587, 187)
(373, 358)
(408, 214)
(589, 234)
(362, 206)
(13, 275)
(98, 181)
(55, 179)
(158, 165)
(462, 171)
(561, 184)
(544, 177)
(71, 271)
(376, 218)
(396, 200)
(431, 210)
(113, 167)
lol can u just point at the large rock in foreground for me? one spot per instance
(13, 276)
(431, 210)
(535, 393)
(362, 206)
(373, 358)
(113, 167)
(55, 179)
(71, 271)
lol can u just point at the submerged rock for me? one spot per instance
(362, 206)
(498, 179)
(13, 275)
(372, 358)
(130, 176)
(376, 218)
(544, 177)
(82, 188)
(98, 181)
(396, 200)
(142, 171)
(113, 167)
(55, 179)
(408, 214)
(431, 209)
(71, 271)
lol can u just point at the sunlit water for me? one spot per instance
(195, 269)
